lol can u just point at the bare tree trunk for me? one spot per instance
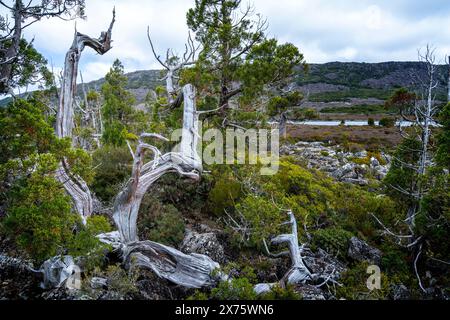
(192, 271)
(299, 272)
(75, 186)
(12, 51)
(186, 162)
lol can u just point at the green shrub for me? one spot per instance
(354, 287)
(85, 244)
(236, 289)
(263, 217)
(113, 168)
(371, 122)
(161, 223)
(39, 218)
(333, 240)
(279, 293)
(224, 195)
(121, 284)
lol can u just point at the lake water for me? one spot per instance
(334, 123)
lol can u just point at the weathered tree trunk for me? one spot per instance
(186, 162)
(193, 271)
(299, 272)
(13, 50)
(75, 186)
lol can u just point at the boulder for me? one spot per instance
(99, 283)
(204, 243)
(400, 292)
(343, 171)
(360, 251)
(309, 292)
(374, 162)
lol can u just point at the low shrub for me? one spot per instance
(161, 223)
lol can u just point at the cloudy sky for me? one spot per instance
(324, 30)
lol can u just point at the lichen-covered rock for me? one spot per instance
(204, 243)
(309, 292)
(400, 292)
(359, 250)
(338, 164)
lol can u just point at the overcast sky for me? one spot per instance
(324, 30)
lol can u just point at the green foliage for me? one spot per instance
(24, 130)
(262, 215)
(355, 287)
(121, 284)
(117, 109)
(443, 151)
(277, 105)
(279, 293)
(235, 50)
(371, 122)
(224, 194)
(112, 169)
(333, 240)
(85, 241)
(161, 223)
(368, 158)
(236, 289)
(39, 217)
(402, 173)
(29, 67)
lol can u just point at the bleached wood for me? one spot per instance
(75, 186)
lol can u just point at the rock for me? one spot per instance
(359, 182)
(339, 165)
(204, 243)
(99, 283)
(374, 162)
(309, 292)
(360, 251)
(341, 172)
(400, 292)
(361, 154)
(58, 270)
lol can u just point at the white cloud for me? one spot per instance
(324, 30)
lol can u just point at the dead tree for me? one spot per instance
(91, 118)
(425, 111)
(299, 273)
(192, 271)
(75, 186)
(173, 65)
